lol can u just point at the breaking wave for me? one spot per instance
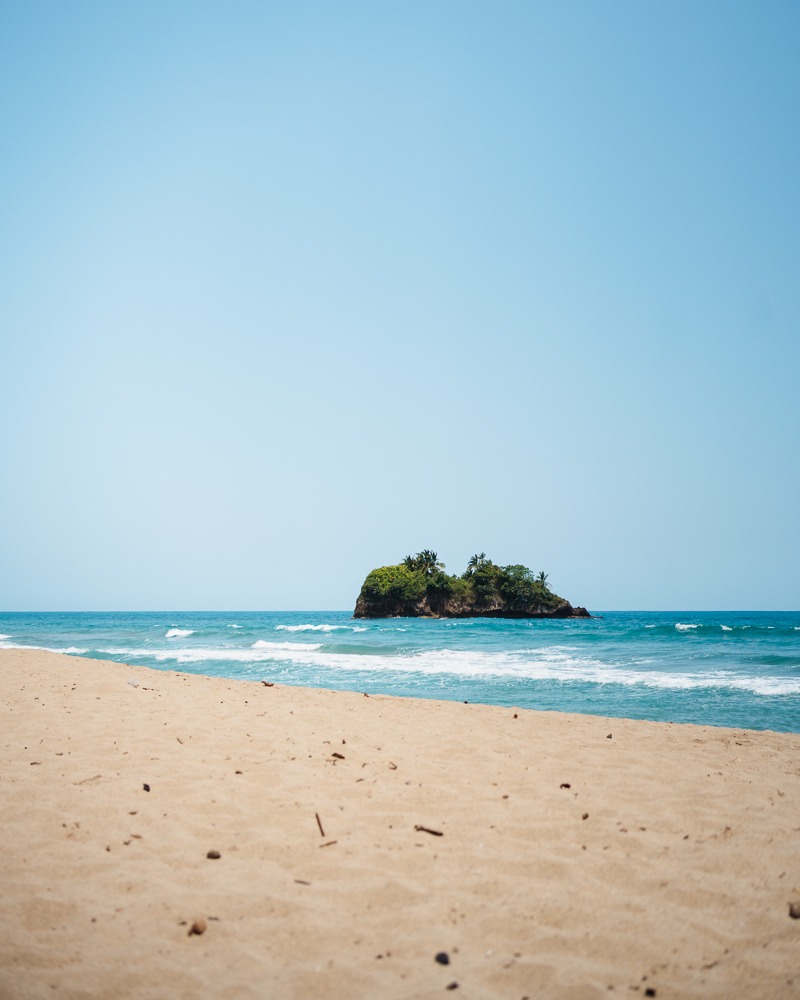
(320, 628)
(263, 644)
(74, 650)
(549, 664)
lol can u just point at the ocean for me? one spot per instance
(738, 669)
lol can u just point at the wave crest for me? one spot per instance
(312, 628)
(263, 644)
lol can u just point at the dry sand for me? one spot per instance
(576, 856)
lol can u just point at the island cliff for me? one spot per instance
(419, 588)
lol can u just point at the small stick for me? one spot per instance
(330, 843)
(425, 829)
(319, 824)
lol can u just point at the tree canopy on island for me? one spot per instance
(419, 585)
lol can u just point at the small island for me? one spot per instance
(418, 587)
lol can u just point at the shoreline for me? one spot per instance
(729, 671)
(546, 854)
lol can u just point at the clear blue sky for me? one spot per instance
(289, 290)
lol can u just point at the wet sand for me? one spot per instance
(540, 854)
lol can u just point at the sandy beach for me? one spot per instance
(336, 845)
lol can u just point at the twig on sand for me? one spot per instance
(319, 824)
(426, 829)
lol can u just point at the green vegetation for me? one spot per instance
(396, 582)
(425, 562)
(519, 587)
(420, 585)
(477, 561)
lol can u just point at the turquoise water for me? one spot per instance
(737, 669)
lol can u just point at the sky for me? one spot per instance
(290, 290)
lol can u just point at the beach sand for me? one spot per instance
(544, 855)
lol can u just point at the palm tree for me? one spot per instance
(476, 561)
(410, 562)
(541, 579)
(428, 562)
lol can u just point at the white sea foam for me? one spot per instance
(685, 628)
(47, 649)
(314, 628)
(178, 633)
(263, 644)
(726, 628)
(766, 685)
(76, 650)
(4, 636)
(549, 664)
(294, 652)
(234, 626)
(553, 664)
